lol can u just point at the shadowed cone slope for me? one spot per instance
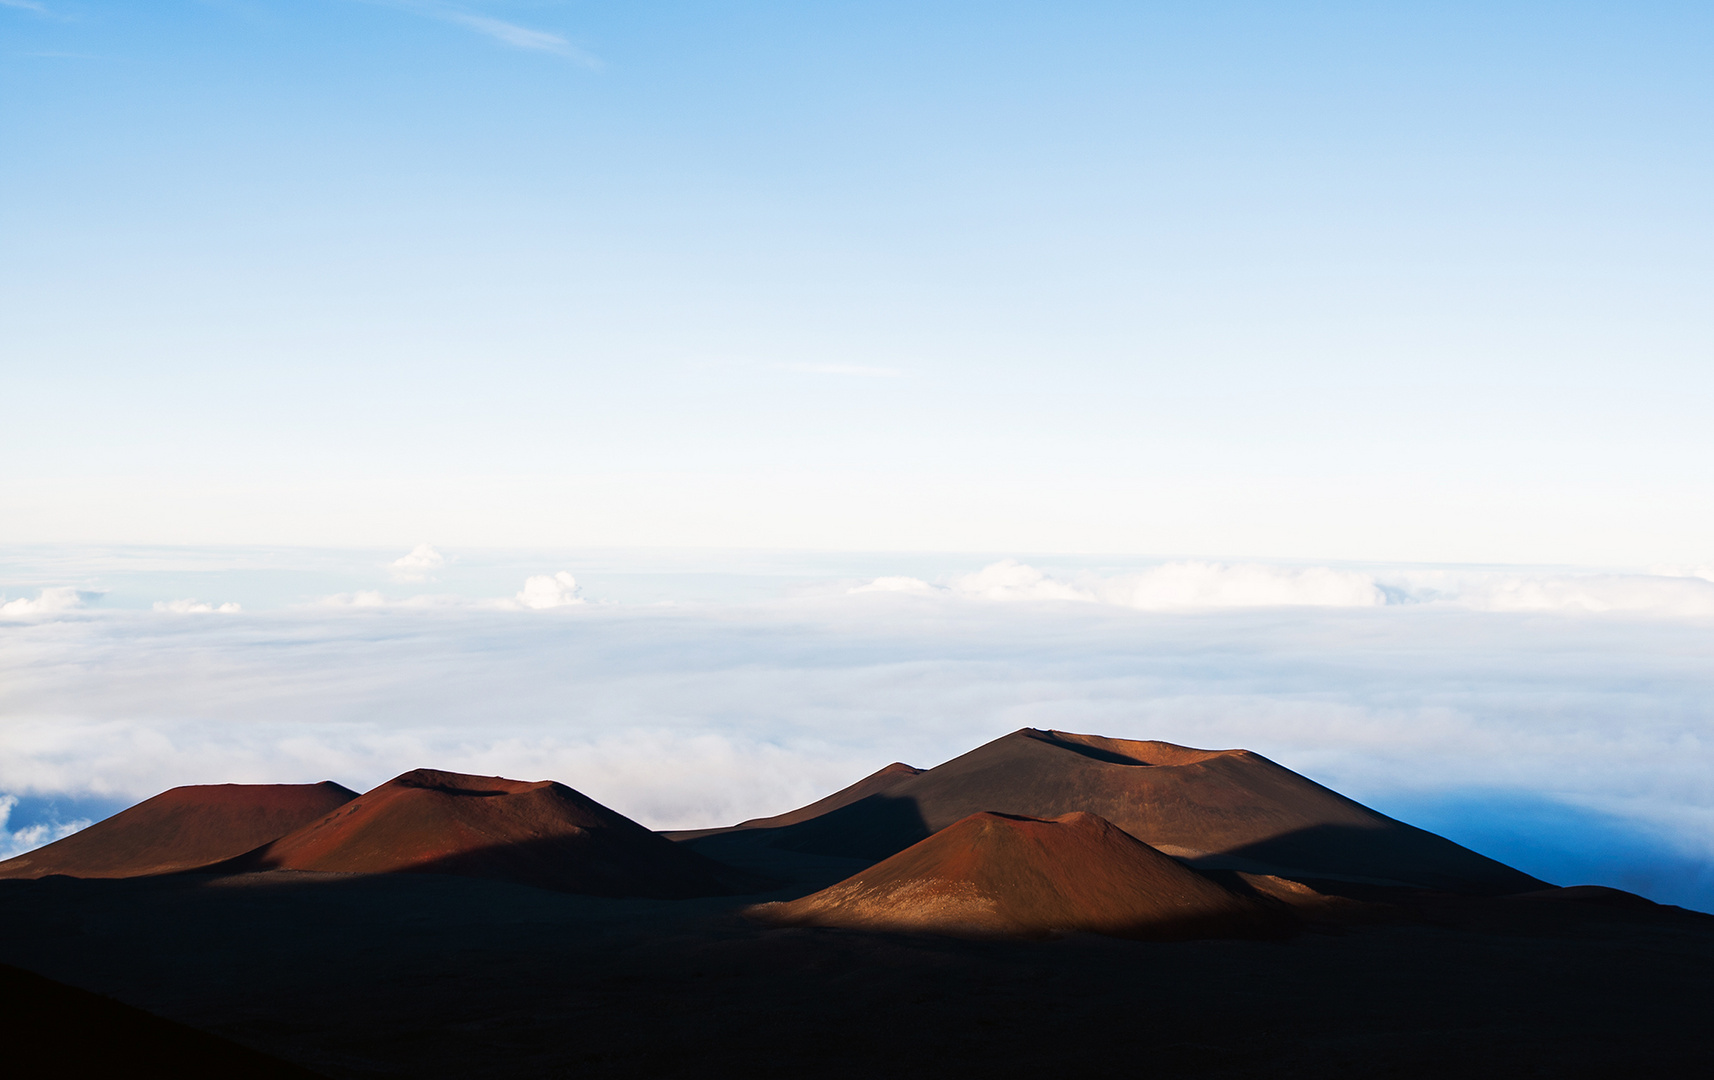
(536, 833)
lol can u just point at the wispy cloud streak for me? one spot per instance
(507, 33)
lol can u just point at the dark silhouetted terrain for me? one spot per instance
(50, 1029)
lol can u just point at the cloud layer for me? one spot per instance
(1569, 740)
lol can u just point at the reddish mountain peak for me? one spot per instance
(534, 832)
(1011, 875)
(1229, 808)
(1148, 753)
(453, 783)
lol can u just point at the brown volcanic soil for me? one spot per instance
(536, 833)
(995, 875)
(181, 829)
(1227, 809)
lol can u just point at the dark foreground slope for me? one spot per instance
(183, 828)
(431, 975)
(1214, 808)
(51, 1029)
(537, 833)
(995, 875)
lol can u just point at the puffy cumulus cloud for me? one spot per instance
(1171, 587)
(545, 591)
(53, 601)
(192, 606)
(1012, 580)
(30, 837)
(422, 562)
(541, 592)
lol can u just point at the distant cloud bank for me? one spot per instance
(1201, 586)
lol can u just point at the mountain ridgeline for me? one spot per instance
(1212, 809)
(1033, 834)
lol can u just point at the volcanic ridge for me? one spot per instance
(181, 829)
(1213, 809)
(535, 833)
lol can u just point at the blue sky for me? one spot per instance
(1415, 282)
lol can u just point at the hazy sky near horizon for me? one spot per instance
(1313, 280)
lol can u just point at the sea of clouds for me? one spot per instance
(1562, 721)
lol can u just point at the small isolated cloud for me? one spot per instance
(49, 602)
(545, 591)
(14, 842)
(25, 5)
(193, 606)
(861, 371)
(422, 561)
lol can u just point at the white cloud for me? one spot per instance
(1203, 586)
(17, 841)
(1172, 587)
(49, 602)
(1012, 580)
(1214, 585)
(1599, 593)
(541, 592)
(545, 591)
(193, 606)
(25, 5)
(422, 561)
(912, 586)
